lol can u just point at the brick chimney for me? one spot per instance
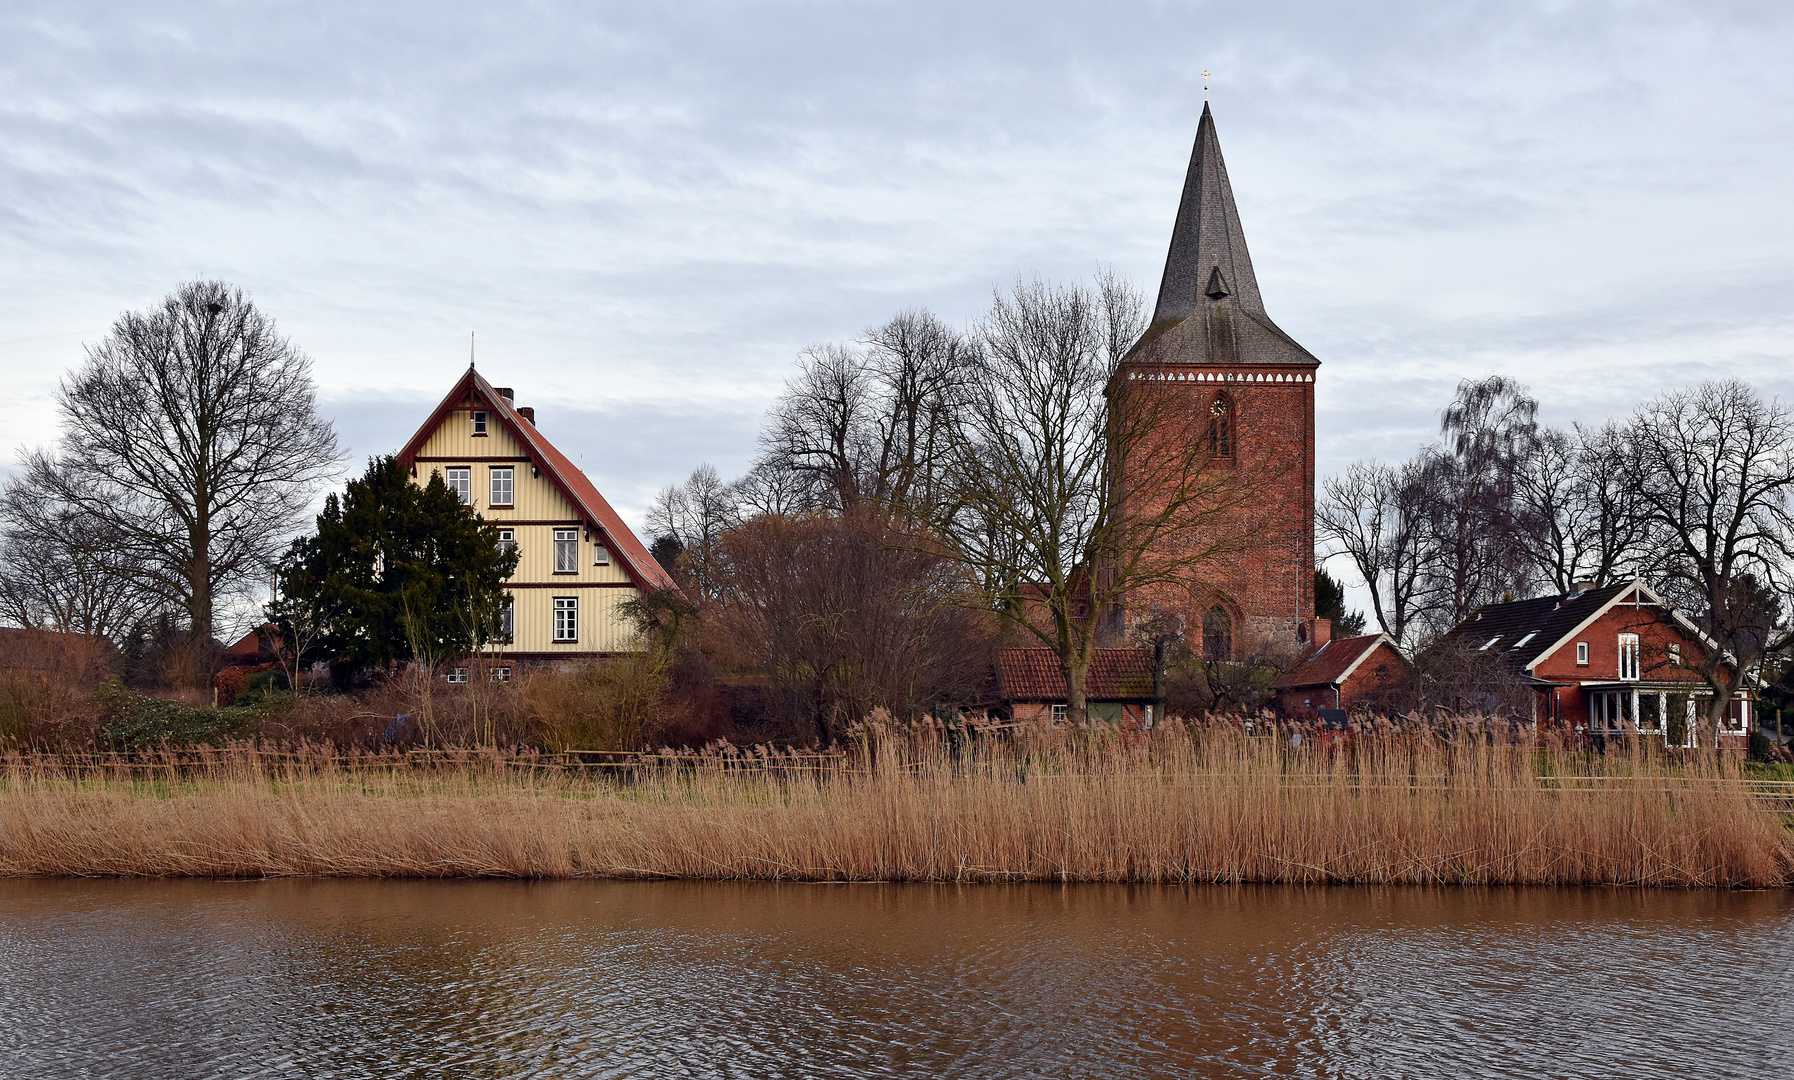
(528, 413)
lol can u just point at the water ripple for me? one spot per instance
(486, 979)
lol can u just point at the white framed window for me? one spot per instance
(566, 619)
(566, 551)
(459, 479)
(456, 675)
(1675, 654)
(1629, 656)
(503, 485)
(479, 424)
(507, 617)
(501, 673)
(600, 555)
(1485, 645)
(507, 539)
(1582, 654)
(1058, 714)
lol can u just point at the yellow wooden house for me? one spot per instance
(578, 561)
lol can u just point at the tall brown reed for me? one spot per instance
(1183, 806)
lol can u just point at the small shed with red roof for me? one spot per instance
(1028, 686)
(1355, 674)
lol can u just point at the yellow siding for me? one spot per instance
(537, 510)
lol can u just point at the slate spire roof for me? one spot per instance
(1208, 247)
(1209, 309)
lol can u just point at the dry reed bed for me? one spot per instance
(1183, 807)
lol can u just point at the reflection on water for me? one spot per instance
(351, 979)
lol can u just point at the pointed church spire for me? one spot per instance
(1208, 260)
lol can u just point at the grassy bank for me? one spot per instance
(1183, 807)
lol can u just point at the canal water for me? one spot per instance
(495, 979)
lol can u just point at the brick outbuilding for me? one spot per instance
(1028, 686)
(1351, 675)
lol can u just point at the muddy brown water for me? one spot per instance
(618, 979)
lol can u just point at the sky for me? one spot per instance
(645, 211)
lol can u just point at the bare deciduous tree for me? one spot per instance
(191, 431)
(868, 422)
(1470, 555)
(63, 570)
(1374, 515)
(1577, 512)
(1069, 488)
(1715, 471)
(849, 613)
(695, 514)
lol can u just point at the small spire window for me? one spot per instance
(1220, 426)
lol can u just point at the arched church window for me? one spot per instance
(1220, 426)
(1217, 634)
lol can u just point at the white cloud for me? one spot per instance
(647, 211)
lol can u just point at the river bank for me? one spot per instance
(1182, 807)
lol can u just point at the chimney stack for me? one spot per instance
(507, 393)
(1577, 588)
(528, 413)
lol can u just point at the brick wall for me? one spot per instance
(1263, 572)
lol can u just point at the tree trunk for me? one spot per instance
(1076, 708)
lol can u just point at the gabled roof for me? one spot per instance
(1333, 663)
(1035, 675)
(1526, 632)
(574, 485)
(1523, 631)
(1209, 309)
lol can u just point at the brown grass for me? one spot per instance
(1183, 806)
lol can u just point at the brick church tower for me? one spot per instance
(1212, 353)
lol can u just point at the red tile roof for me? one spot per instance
(642, 568)
(1333, 662)
(1035, 675)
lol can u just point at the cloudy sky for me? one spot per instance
(646, 210)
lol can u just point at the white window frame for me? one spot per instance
(1582, 654)
(456, 675)
(1057, 713)
(566, 620)
(566, 559)
(501, 673)
(507, 619)
(600, 555)
(508, 474)
(481, 423)
(1628, 650)
(459, 479)
(507, 539)
(1675, 653)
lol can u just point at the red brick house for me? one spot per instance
(1606, 662)
(1351, 675)
(1213, 367)
(1028, 687)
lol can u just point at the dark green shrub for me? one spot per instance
(133, 721)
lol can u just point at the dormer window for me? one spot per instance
(479, 424)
